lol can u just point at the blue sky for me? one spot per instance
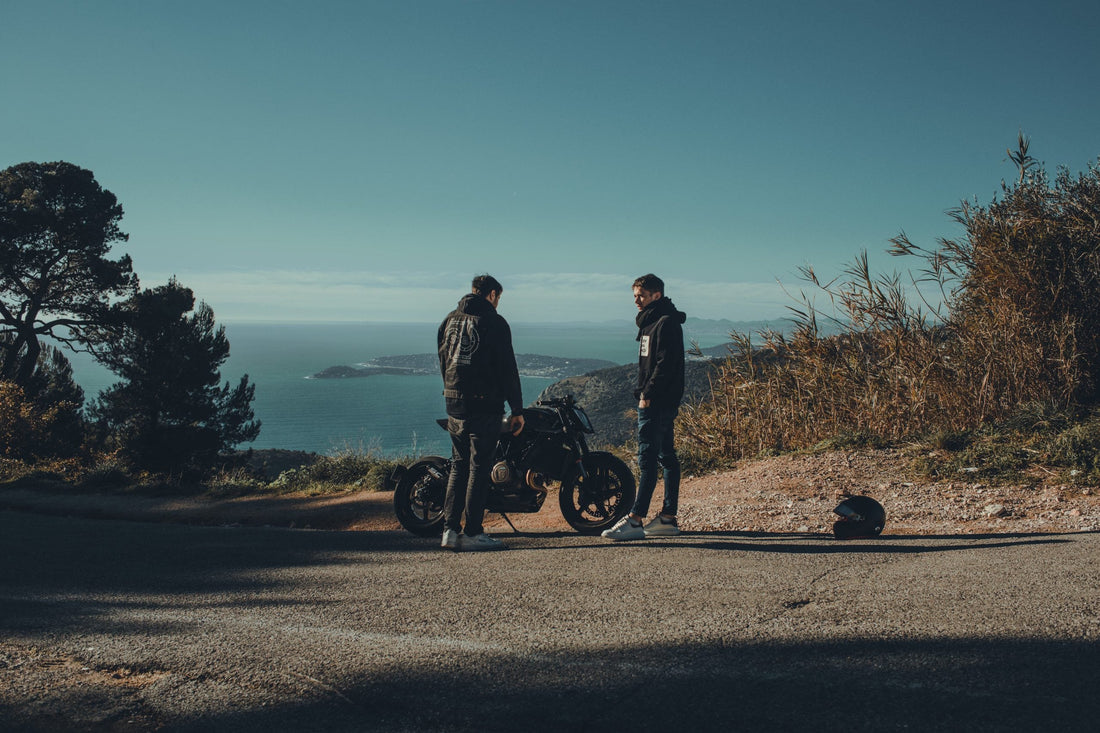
(363, 160)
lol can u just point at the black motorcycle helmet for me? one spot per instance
(860, 516)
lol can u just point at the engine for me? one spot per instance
(502, 473)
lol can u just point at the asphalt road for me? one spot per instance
(128, 626)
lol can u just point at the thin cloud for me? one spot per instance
(422, 296)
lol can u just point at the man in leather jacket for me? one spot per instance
(659, 391)
(479, 375)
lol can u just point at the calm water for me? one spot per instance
(388, 414)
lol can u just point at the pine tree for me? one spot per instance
(57, 225)
(168, 412)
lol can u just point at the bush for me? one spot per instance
(107, 475)
(1076, 450)
(344, 472)
(1018, 326)
(32, 429)
(234, 481)
(1061, 445)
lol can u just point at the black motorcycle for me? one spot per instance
(595, 488)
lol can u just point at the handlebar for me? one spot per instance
(566, 401)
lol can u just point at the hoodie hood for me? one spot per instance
(659, 309)
(473, 304)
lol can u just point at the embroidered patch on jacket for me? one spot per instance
(461, 341)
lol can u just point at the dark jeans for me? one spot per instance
(473, 441)
(655, 446)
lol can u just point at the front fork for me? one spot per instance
(580, 446)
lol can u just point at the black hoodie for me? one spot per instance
(476, 360)
(660, 354)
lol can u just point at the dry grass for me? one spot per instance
(1014, 323)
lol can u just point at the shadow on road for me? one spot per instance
(75, 576)
(802, 543)
(968, 684)
(856, 685)
(888, 544)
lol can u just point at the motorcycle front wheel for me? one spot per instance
(418, 498)
(592, 503)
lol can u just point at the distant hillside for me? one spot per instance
(696, 327)
(607, 395)
(692, 327)
(530, 365)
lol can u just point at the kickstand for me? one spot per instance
(509, 521)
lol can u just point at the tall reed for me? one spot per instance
(1015, 320)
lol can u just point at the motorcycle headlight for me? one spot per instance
(582, 417)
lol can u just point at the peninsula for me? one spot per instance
(530, 365)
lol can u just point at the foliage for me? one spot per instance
(52, 401)
(167, 413)
(56, 227)
(233, 481)
(345, 471)
(54, 473)
(1023, 288)
(106, 475)
(1017, 325)
(1056, 444)
(32, 429)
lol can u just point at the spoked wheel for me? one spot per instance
(592, 503)
(418, 498)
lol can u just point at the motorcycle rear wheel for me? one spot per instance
(418, 498)
(591, 505)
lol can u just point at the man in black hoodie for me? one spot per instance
(659, 391)
(479, 376)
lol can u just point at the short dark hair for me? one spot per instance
(650, 282)
(485, 284)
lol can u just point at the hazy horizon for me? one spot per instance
(363, 161)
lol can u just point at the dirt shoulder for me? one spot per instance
(776, 495)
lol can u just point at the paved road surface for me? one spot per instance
(110, 625)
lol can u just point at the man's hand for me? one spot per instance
(643, 404)
(516, 423)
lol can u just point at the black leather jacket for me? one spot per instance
(476, 360)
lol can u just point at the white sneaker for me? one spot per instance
(625, 529)
(450, 540)
(480, 543)
(661, 527)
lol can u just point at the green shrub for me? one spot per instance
(1076, 450)
(343, 472)
(107, 475)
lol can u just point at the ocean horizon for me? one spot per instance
(384, 414)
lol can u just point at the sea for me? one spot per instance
(384, 415)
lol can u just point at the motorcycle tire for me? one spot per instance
(591, 505)
(418, 498)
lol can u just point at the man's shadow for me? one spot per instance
(806, 543)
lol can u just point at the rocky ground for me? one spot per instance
(787, 494)
(798, 494)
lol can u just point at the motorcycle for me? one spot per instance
(595, 488)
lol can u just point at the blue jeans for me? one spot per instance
(473, 442)
(656, 447)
